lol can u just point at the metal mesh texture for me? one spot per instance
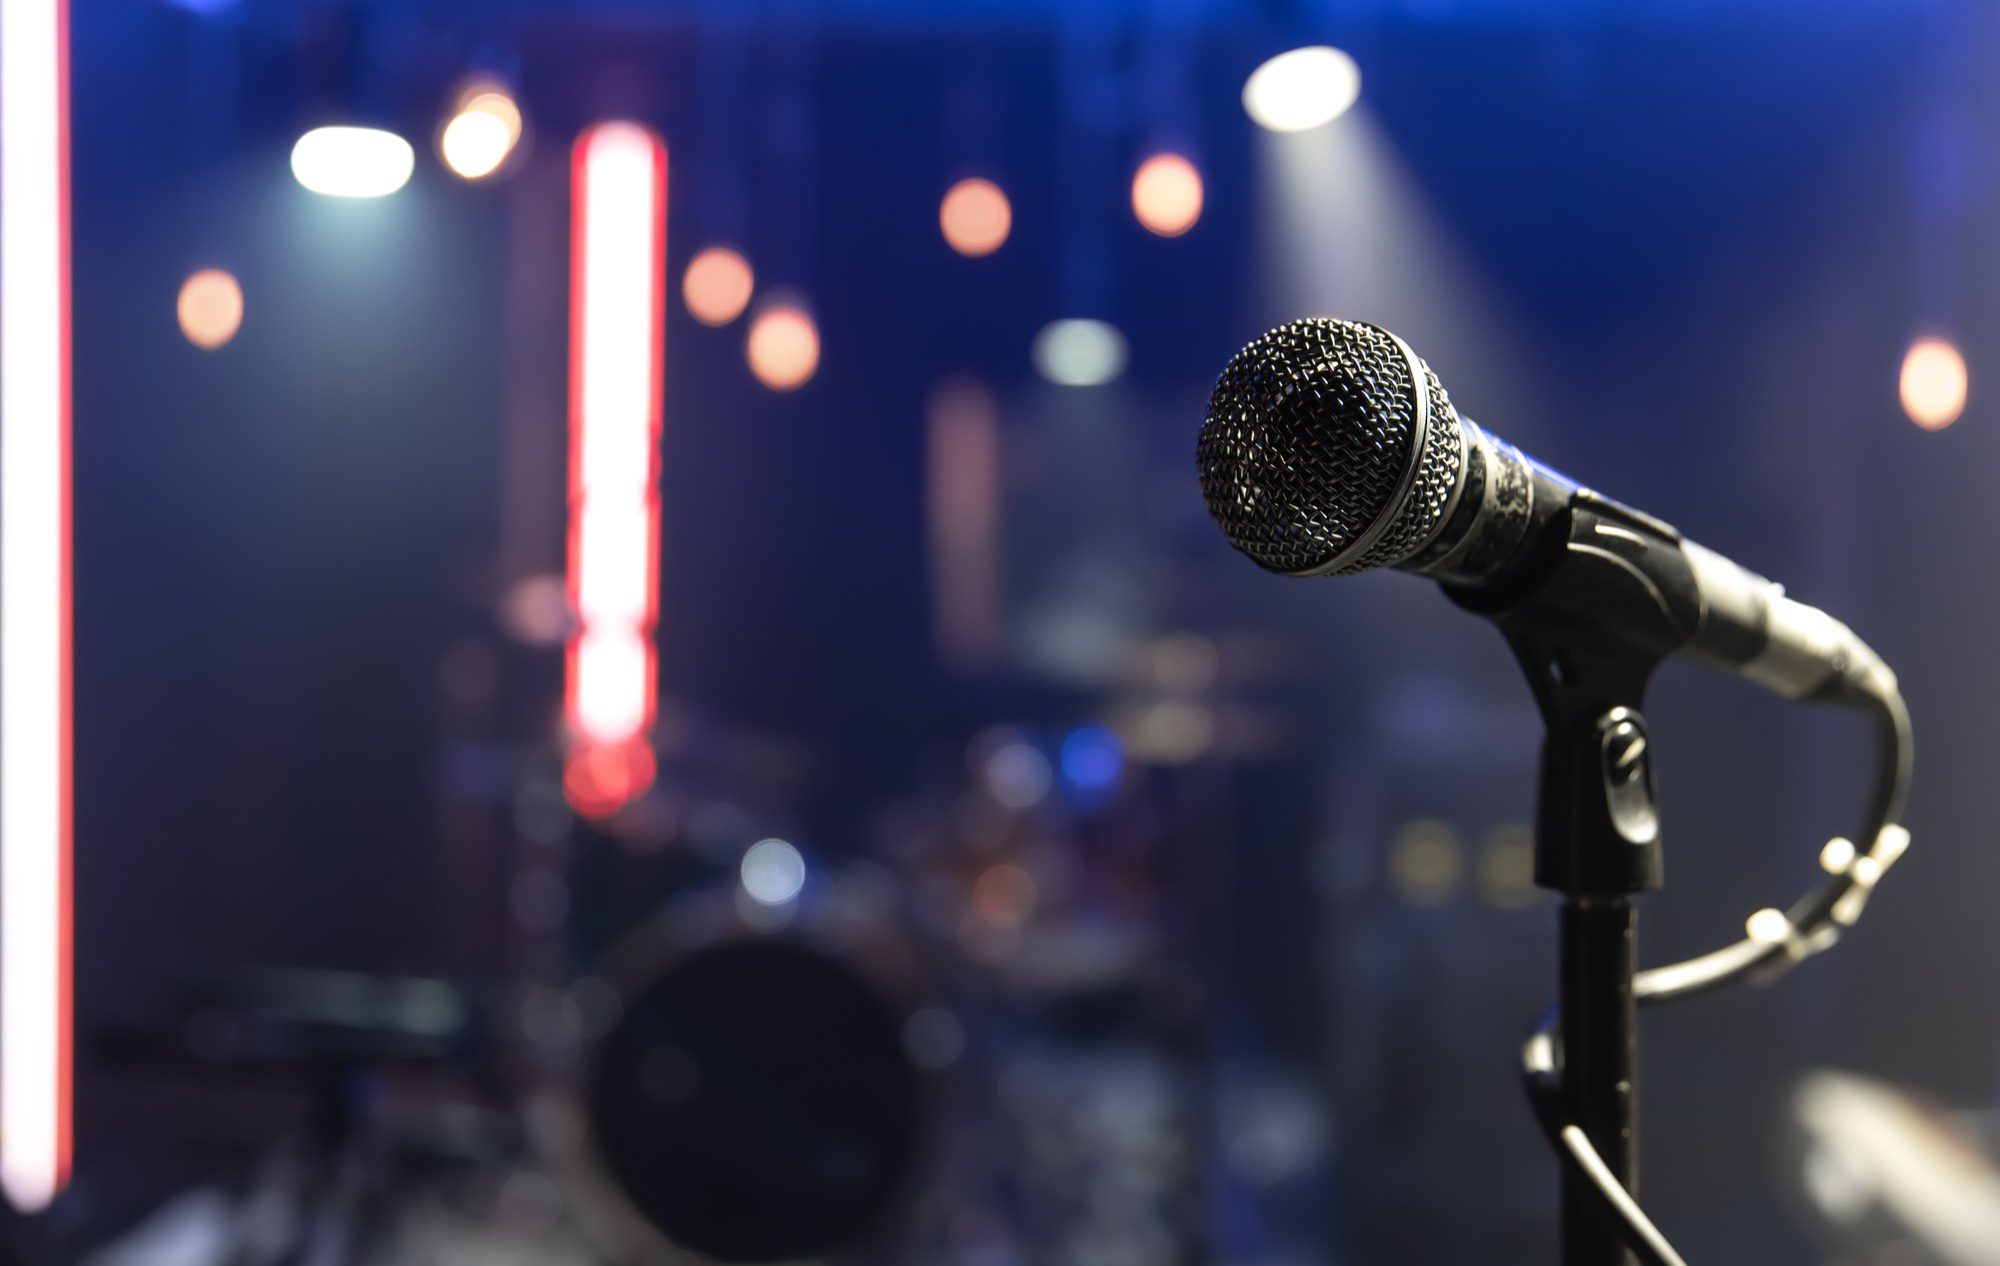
(1308, 437)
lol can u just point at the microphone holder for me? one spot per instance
(1610, 597)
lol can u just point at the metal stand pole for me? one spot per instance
(1600, 1050)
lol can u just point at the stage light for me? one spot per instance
(1092, 757)
(618, 219)
(717, 286)
(474, 144)
(975, 217)
(1079, 353)
(353, 162)
(35, 558)
(1933, 383)
(482, 132)
(783, 347)
(210, 308)
(1166, 194)
(773, 873)
(1302, 89)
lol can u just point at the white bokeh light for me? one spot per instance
(773, 872)
(1079, 352)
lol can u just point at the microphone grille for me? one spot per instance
(1311, 444)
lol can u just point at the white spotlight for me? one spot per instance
(1079, 352)
(353, 162)
(1302, 89)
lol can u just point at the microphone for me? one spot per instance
(1331, 448)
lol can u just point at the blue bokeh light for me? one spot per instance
(1092, 758)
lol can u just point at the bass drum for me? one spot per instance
(740, 1092)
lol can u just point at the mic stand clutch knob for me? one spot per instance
(1628, 777)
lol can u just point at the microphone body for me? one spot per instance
(1330, 448)
(1731, 618)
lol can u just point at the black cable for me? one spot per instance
(1774, 945)
(1539, 1060)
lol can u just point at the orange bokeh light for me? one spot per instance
(210, 308)
(1167, 194)
(975, 217)
(481, 134)
(783, 347)
(717, 286)
(1933, 383)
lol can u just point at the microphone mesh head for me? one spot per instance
(1311, 442)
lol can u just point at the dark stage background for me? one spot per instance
(1675, 250)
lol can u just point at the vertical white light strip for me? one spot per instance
(617, 307)
(34, 601)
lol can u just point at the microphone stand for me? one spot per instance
(1610, 598)
(1597, 843)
